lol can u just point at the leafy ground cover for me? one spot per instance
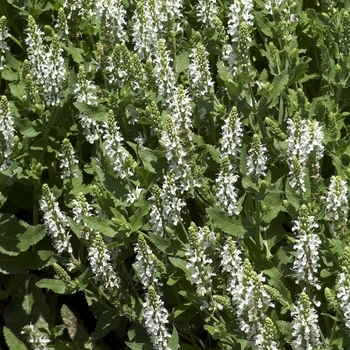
(174, 174)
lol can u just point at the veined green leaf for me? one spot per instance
(182, 62)
(276, 88)
(25, 261)
(12, 341)
(137, 219)
(97, 113)
(101, 225)
(173, 342)
(16, 236)
(56, 286)
(231, 225)
(76, 331)
(108, 321)
(181, 264)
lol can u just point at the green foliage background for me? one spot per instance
(294, 67)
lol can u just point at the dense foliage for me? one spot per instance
(174, 174)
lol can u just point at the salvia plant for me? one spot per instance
(174, 174)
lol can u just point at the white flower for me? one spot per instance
(199, 261)
(337, 199)
(145, 266)
(100, 261)
(47, 63)
(132, 197)
(172, 204)
(55, 222)
(306, 248)
(81, 208)
(226, 195)
(305, 143)
(343, 287)
(199, 69)
(38, 340)
(114, 149)
(306, 334)
(68, 161)
(232, 134)
(92, 129)
(250, 300)
(240, 11)
(206, 10)
(84, 90)
(7, 133)
(155, 318)
(164, 73)
(256, 162)
(4, 35)
(112, 14)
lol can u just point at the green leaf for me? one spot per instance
(25, 261)
(231, 225)
(114, 186)
(139, 346)
(101, 225)
(147, 157)
(161, 243)
(223, 72)
(137, 219)
(56, 286)
(97, 113)
(181, 264)
(339, 166)
(10, 75)
(263, 23)
(108, 321)
(273, 203)
(276, 88)
(12, 341)
(17, 236)
(182, 62)
(75, 330)
(76, 53)
(173, 342)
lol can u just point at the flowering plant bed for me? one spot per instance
(174, 174)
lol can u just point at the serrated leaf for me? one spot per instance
(76, 53)
(96, 113)
(230, 225)
(75, 330)
(285, 328)
(17, 236)
(273, 204)
(56, 286)
(180, 263)
(24, 261)
(137, 219)
(263, 23)
(173, 342)
(161, 243)
(108, 321)
(182, 62)
(12, 341)
(276, 88)
(336, 161)
(10, 75)
(139, 346)
(223, 72)
(101, 225)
